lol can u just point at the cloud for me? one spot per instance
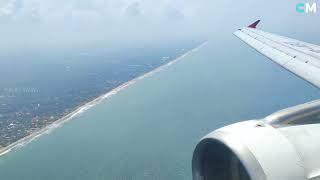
(58, 9)
(76, 20)
(9, 7)
(134, 10)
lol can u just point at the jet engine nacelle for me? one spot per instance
(282, 146)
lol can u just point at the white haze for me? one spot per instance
(66, 22)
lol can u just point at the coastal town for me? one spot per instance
(25, 120)
(33, 112)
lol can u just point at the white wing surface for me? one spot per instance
(301, 58)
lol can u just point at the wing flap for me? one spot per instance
(296, 56)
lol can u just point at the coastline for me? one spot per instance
(82, 108)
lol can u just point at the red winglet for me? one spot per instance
(254, 25)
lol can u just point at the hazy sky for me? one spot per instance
(61, 21)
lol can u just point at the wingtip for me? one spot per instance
(254, 25)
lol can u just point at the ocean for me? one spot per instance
(148, 130)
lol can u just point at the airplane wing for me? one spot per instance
(301, 58)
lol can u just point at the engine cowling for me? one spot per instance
(282, 146)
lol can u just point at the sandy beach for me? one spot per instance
(88, 105)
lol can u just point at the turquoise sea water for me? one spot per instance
(149, 130)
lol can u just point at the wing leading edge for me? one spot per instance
(301, 58)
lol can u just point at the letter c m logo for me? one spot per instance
(300, 7)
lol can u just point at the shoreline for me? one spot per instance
(82, 108)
